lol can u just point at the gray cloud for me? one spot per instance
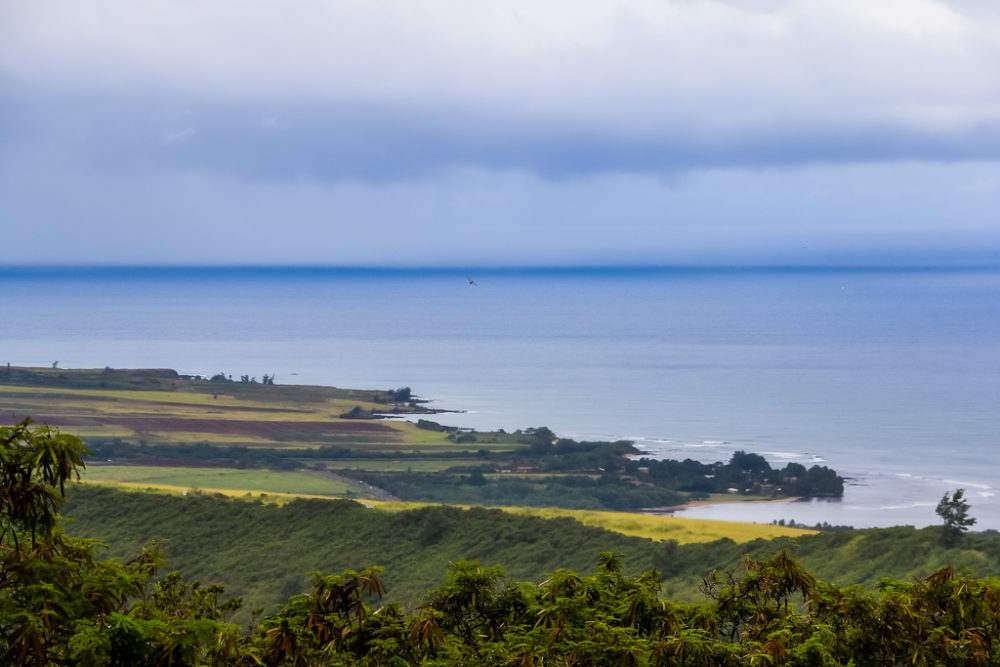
(635, 131)
(838, 214)
(379, 89)
(379, 142)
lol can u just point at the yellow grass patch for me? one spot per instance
(659, 527)
(193, 398)
(655, 527)
(240, 479)
(179, 403)
(274, 497)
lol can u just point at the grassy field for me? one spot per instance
(160, 407)
(272, 497)
(244, 481)
(651, 526)
(399, 465)
(659, 527)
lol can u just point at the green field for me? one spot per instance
(402, 465)
(161, 407)
(222, 479)
(156, 428)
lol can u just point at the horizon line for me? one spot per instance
(65, 270)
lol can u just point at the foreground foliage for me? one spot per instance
(775, 613)
(61, 606)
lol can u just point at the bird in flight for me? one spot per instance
(471, 281)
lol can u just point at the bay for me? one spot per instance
(892, 377)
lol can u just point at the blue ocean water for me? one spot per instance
(892, 377)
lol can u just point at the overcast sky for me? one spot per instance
(457, 133)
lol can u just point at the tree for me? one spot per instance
(401, 395)
(954, 511)
(542, 440)
(59, 605)
(754, 463)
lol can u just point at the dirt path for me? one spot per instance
(367, 489)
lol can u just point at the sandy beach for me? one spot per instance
(703, 503)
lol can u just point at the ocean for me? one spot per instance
(890, 376)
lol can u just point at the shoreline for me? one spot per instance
(702, 503)
(195, 409)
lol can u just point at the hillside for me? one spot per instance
(263, 551)
(63, 603)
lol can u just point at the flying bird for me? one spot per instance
(471, 281)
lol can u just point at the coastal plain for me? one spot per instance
(156, 430)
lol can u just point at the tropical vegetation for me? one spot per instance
(61, 605)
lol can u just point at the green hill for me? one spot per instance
(62, 604)
(263, 551)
